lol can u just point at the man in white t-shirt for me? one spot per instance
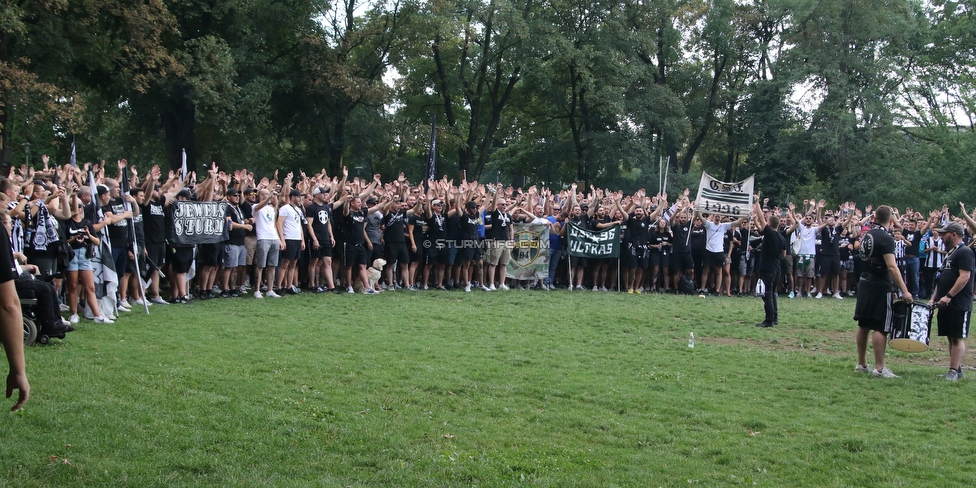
(291, 219)
(714, 259)
(807, 229)
(266, 252)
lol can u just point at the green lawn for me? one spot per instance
(507, 388)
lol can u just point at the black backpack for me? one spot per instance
(686, 284)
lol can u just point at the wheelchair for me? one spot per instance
(32, 333)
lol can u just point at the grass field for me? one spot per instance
(502, 389)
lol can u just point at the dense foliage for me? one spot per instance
(850, 99)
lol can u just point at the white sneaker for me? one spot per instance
(101, 319)
(159, 301)
(123, 308)
(492, 287)
(545, 287)
(863, 369)
(215, 290)
(596, 288)
(503, 286)
(603, 288)
(485, 288)
(819, 295)
(73, 319)
(64, 308)
(884, 373)
(467, 289)
(272, 294)
(350, 290)
(137, 301)
(257, 294)
(837, 296)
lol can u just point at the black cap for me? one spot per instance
(295, 193)
(185, 193)
(232, 192)
(471, 204)
(249, 190)
(102, 189)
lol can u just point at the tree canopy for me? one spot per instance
(848, 99)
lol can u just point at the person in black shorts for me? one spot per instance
(357, 245)
(319, 217)
(770, 264)
(872, 312)
(954, 295)
(395, 244)
(12, 324)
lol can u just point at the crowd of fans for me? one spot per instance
(319, 233)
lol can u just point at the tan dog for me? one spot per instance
(373, 272)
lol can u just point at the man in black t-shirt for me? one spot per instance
(395, 244)
(770, 260)
(357, 245)
(954, 295)
(828, 260)
(875, 294)
(319, 220)
(154, 223)
(235, 255)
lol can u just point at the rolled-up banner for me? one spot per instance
(593, 243)
(719, 197)
(530, 255)
(198, 222)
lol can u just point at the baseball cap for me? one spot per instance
(319, 190)
(232, 192)
(102, 189)
(295, 193)
(954, 227)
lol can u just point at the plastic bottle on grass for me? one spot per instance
(691, 340)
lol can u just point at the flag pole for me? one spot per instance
(135, 242)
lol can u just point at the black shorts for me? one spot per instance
(321, 252)
(873, 307)
(635, 257)
(354, 254)
(420, 255)
(713, 259)
(180, 259)
(396, 252)
(682, 261)
(577, 262)
(660, 259)
(465, 255)
(293, 249)
(953, 322)
(376, 252)
(829, 265)
(437, 255)
(156, 252)
(209, 255)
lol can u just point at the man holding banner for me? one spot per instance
(718, 199)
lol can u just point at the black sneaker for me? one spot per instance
(225, 294)
(764, 324)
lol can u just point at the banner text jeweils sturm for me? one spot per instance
(719, 197)
(199, 222)
(593, 244)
